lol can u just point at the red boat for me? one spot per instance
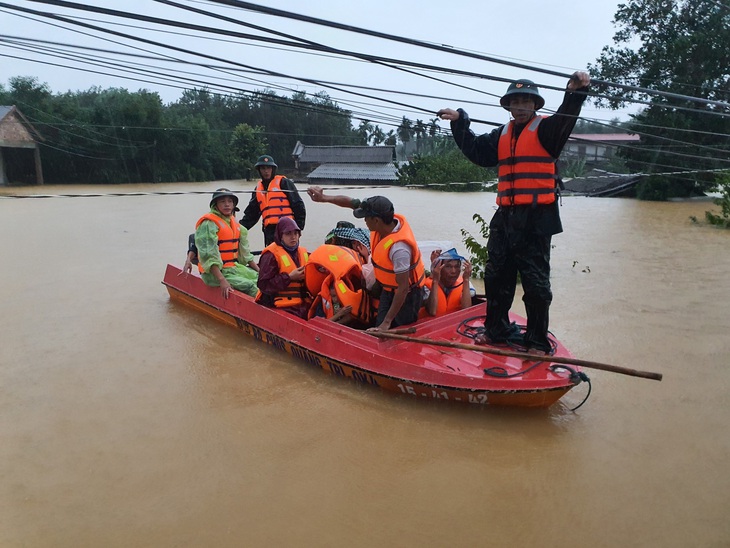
(404, 366)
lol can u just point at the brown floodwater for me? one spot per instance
(129, 420)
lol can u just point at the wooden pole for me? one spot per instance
(525, 356)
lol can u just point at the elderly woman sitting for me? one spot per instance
(281, 271)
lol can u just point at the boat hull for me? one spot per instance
(401, 367)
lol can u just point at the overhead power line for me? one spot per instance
(420, 43)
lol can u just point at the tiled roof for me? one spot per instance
(601, 183)
(347, 154)
(370, 172)
(4, 110)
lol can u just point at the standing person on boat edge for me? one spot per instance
(395, 256)
(274, 198)
(526, 150)
(224, 257)
(281, 271)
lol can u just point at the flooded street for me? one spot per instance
(128, 420)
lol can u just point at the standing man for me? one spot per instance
(275, 197)
(526, 151)
(395, 256)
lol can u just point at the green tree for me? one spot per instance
(420, 130)
(114, 135)
(450, 171)
(391, 138)
(27, 91)
(364, 131)
(405, 130)
(478, 253)
(680, 47)
(247, 144)
(591, 126)
(377, 136)
(723, 219)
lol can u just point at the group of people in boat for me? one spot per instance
(385, 283)
(373, 278)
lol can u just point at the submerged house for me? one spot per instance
(20, 156)
(597, 148)
(362, 165)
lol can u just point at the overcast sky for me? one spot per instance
(560, 36)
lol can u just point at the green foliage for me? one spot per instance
(117, 136)
(590, 126)
(246, 145)
(445, 170)
(576, 167)
(405, 130)
(681, 47)
(659, 188)
(722, 220)
(478, 254)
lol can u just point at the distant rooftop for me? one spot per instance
(343, 154)
(355, 171)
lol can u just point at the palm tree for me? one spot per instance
(377, 136)
(405, 130)
(364, 130)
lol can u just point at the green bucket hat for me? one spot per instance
(220, 193)
(523, 87)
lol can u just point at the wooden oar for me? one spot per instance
(525, 356)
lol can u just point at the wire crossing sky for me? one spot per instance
(380, 60)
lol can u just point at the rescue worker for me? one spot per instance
(395, 257)
(448, 289)
(526, 150)
(222, 247)
(274, 198)
(281, 271)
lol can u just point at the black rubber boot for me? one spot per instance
(497, 327)
(538, 318)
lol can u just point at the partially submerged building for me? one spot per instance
(597, 148)
(20, 156)
(361, 165)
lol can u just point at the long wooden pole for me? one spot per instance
(525, 356)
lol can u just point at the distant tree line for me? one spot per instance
(117, 136)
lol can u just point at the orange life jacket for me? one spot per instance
(227, 238)
(273, 203)
(526, 169)
(295, 292)
(444, 304)
(334, 276)
(384, 266)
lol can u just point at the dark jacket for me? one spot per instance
(553, 133)
(252, 213)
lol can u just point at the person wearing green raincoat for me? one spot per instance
(224, 257)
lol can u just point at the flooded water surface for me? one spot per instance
(129, 420)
